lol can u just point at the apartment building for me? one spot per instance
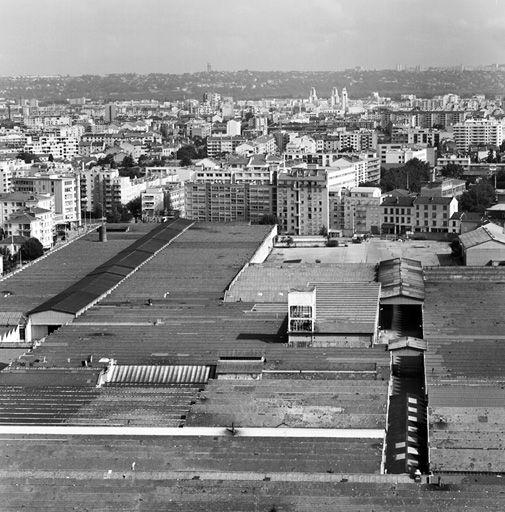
(153, 202)
(221, 144)
(13, 202)
(59, 146)
(367, 164)
(32, 223)
(450, 187)
(362, 212)
(396, 155)
(228, 202)
(478, 132)
(432, 214)
(415, 135)
(357, 140)
(303, 201)
(397, 214)
(65, 188)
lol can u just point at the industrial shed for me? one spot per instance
(484, 245)
(79, 297)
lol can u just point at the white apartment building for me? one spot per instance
(58, 146)
(13, 202)
(153, 202)
(432, 214)
(396, 155)
(443, 161)
(35, 223)
(65, 188)
(478, 132)
(8, 169)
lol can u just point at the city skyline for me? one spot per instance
(54, 37)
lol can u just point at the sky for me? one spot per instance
(49, 37)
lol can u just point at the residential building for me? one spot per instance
(478, 132)
(432, 214)
(65, 188)
(59, 146)
(32, 223)
(220, 144)
(13, 202)
(397, 155)
(450, 187)
(153, 202)
(397, 214)
(303, 201)
(415, 135)
(228, 202)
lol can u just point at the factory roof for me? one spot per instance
(401, 277)
(346, 307)
(51, 275)
(488, 232)
(271, 282)
(105, 277)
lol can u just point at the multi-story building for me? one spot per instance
(357, 140)
(153, 202)
(396, 155)
(32, 223)
(303, 201)
(478, 132)
(13, 202)
(64, 187)
(8, 169)
(443, 161)
(362, 212)
(59, 146)
(227, 201)
(432, 214)
(411, 135)
(397, 214)
(450, 187)
(221, 144)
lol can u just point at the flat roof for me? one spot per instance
(342, 403)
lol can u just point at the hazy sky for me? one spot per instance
(174, 36)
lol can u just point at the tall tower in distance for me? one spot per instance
(110, 112)
(334, 99)
(345, 100)
(312, 95)
(209, 68)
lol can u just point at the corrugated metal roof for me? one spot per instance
(401, 277)
(481, 235)
(346, 307)
(100, 280)
(159, 374)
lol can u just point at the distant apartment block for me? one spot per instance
(64, 188)
(228, 202)
(478, 132)
(444, 188)
(222, 144)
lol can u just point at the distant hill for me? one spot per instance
(255, 84)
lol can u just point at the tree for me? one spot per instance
(135, 207)
(128, 161)
(410, 177)
(32, 249)
(27, 157)
(323, 231)
(478, 198)
(452, 171)
(107, 160)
